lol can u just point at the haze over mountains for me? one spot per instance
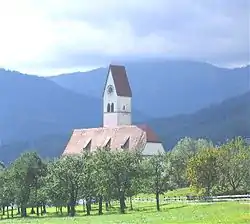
(171, 87)
(39, 113)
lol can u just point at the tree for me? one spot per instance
(103, 178)
(65, 177)
(180, 155)
(124, 168)
(7, 195)
(158, 169)
(88, 179)
(54, 188)
(234, 165)
(202, 169)
(25, 171)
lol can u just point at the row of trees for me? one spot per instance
(213, 170)
(30, 182)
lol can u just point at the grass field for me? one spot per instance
(224, 212)
(178, 193)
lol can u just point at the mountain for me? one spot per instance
(38, 113)
(171, 87)
(218, 122)
(33, 106)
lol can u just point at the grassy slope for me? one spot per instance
(182, 192)
(227, 212)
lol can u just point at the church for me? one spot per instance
(117, 131)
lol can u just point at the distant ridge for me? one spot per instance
(172, 87)
(39, 113)
(218, 123)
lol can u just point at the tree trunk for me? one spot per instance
(61, 210)
(88, 206)
(100, 205)
(18, 210)
(37, 210)
(83, 206)
(41, 208)
(157, 201)
(12, 211)
(122, 202)
(3, 210)
(23, 211)
(68, 210)
(107, 205)
(131, 203)
(7, 210)
(72, 210)
(44, 209)
(72, 207)
(32, 211)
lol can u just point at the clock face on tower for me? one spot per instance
(110, 89)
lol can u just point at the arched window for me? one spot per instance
(112, 107)
(108, 107)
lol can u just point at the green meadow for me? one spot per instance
(221, 212)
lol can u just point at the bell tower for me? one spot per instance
(117, 98)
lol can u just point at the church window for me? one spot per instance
(112, 107)
(123, 107)
(107, 145)
(108, 107)
(88, 146)
(126, 144)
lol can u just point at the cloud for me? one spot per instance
(52, 35)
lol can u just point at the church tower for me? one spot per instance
(117, 97)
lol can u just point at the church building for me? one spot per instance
(117, 131)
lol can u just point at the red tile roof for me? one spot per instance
(120, 80)
(150, 134)
(99, 137)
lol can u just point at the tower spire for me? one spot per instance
(117, 96)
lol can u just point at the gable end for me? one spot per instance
(121, 82)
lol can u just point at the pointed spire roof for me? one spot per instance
(121, 82)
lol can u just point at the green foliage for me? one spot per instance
(234, 166)
(25, 172)
(111, 176)
(158, 170)
(185, 149)
(202, 169)
(124, 168)
(221, 170)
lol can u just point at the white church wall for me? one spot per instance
(109, 98)
(124, 104)
(152, 148)
(109, 119)
(124, 107)
(124, 119)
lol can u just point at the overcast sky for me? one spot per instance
(54, 36)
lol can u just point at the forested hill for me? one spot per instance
(218, 122)
(31, 107)
(171, 87)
